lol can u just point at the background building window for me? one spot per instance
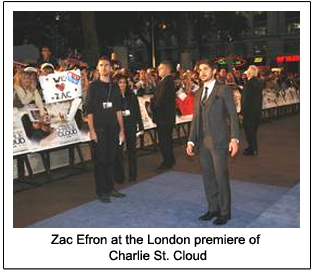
(291, 47)
(260, 31)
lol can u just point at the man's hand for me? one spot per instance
(93, 136)
(233, 147)
(190, 149)
(121, 137)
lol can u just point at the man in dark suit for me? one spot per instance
(163, 109)
(214, 133)
(252, 109)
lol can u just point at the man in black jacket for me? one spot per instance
(163, 108)
(252, 108)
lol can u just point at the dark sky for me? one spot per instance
(112, 27)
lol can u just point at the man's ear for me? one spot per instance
(214, 72)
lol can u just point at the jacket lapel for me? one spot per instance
(212, 96)
(198, 101)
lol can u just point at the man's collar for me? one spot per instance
(165, 77)
(210, 85)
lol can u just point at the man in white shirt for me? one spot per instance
(214, 133)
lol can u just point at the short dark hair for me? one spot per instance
(104, 58)
(210, 63)
(45, 46)
(166, 63)
(120, 77)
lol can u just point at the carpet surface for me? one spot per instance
(176, 200)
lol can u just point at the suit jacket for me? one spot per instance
(216, 122)
(163, 103)
(252, 100)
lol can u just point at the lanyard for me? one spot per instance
(109, 92)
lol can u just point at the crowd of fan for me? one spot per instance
(141, 82)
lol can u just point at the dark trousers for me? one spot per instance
(251, 129)
(119, 172)
(165, 143)
(214, 164)
(103, 157)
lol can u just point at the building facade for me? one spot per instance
(266, 36)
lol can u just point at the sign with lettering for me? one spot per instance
(61, 86)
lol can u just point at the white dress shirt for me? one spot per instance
(210, 88)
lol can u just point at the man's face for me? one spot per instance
(223, 72)
(46, 53)
(206, 73)
(249, 73)
(104, 68)
(163, 70)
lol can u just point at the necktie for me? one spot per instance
(205, 96)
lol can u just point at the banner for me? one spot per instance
(146, 113)
(273, 98)
(58, 127)
(62, 86)
(269, 98)
(65, 123)
(21, 144)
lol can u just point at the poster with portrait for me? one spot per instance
(269, 99)
(21, 144)
(146, 113)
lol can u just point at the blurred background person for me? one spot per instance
(252, 109)
(46, 56)
(221, 76)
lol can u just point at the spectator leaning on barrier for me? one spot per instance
(252, 109)
(46, 69)
(26, 90)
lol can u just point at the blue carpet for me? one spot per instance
(176, 200)
(285, 213)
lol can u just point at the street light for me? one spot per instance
(153, 24)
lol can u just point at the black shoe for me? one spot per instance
(209, 215)
(163, 167)
(221, 220)
(250, 153)
(104, 198)
(116, 194)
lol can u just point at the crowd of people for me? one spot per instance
(144, 81)
(111, 108)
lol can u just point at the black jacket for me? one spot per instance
(163, 102)
(252, 100)
(131, 103)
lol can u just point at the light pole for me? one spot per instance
(153, 42)
(153, 24)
